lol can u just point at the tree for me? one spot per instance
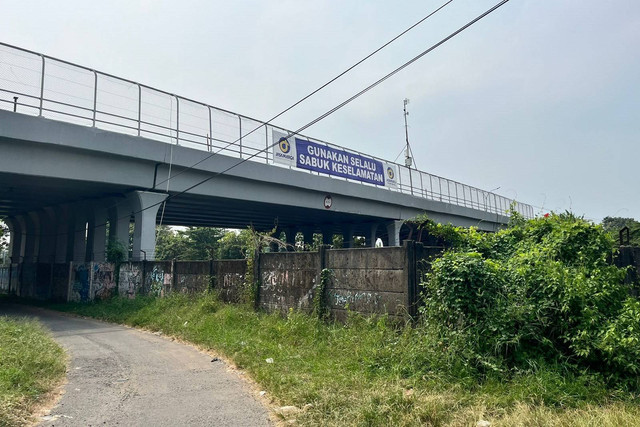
(613, 225)
(200, 243)
(234, 245)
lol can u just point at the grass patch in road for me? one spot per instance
(31, 365)
(370, 372)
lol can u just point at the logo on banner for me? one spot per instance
(285, 147)
(283, 151)
(390, 173)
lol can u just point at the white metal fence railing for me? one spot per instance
(32, 83)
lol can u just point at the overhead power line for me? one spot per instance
(344, 103)
(337, 107)
(301, 100)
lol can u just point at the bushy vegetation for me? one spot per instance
(541, 292)
(31, 364)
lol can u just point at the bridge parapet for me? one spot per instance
(40, 85)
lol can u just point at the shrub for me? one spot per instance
(541, 290)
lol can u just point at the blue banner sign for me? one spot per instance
(304, 154)
(332, 161)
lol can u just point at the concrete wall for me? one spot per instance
(192, 276)
(229, 278)
(368, 281)
(103, 280)
(288, 280)
(60, 282)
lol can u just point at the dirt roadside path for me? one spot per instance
(119, 376)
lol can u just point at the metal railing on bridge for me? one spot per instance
(37, 84)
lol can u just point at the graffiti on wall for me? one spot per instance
(130, 280)
(103, 280)
(81, 283)
(157, 281)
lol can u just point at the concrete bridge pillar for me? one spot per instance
(98, 225)
(393, 230)
(347, 236)
(16, 240)
(32, 238)
(22, 226)
(145, 205)
(327, 236)
(48, 235)
(64, 240)
(79, 235)
(307, 236)
(120, 213)
(372, 236)
(290, 234)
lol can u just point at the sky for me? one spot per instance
(541, 99)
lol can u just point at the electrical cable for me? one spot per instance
(336, 108)
(316, 90)
(344, 103)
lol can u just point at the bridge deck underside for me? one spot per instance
(22, 193)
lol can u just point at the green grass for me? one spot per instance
(370, 372)
(31, 365)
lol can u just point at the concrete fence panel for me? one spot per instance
(131, 279)
(288, 280)
(60, 282)
(80, 282)
(192, 276)
(229, 277)
(368, 281)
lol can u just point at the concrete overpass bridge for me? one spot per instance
(84, 154)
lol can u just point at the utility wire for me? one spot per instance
(342, 104)
(169, 177)
(336, 108)
(301, 100)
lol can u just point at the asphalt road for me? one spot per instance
(123, 377)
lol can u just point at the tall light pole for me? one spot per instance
(407, 156)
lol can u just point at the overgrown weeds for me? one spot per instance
(370, 371)
(31, 365)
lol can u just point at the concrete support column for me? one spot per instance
(274, 246)
(22, 225)
(393, 230)
(291, 232)
(64, 240)
(307, 235)
(145, 206)
(347, 236)
(120, 212)
(15, 239)
(48, 235)
(372, 236)
(32, 243)
(98, 225)
(327, 236)
(79, 236)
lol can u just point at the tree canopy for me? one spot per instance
(200, 243)
(613, 225)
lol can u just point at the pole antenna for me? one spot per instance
(407, 153)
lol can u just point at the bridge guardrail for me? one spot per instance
(37, 84)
